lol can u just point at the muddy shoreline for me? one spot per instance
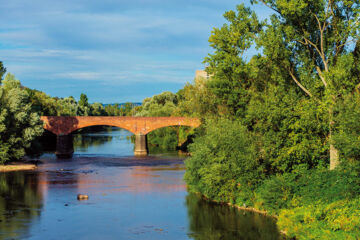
(23, 165)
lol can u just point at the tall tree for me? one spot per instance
(2, 71)
(313, 43)
(83, 102)
(84, 107)
(227, 66)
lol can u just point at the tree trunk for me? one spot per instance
(334, 157)
(334, 153)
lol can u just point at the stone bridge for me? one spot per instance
(140, 126)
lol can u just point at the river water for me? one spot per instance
(129, 198)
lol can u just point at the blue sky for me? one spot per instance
(112, 50)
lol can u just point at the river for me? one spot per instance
(129, 198)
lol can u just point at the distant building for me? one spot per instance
(202, 74)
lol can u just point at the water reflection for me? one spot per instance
(129, 198)
(104, 141)
(210, 221)
(85, 141)
(20, 203)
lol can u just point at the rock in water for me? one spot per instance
(82, 197)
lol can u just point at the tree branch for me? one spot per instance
(299, 84)
(321, 76)
(274, 9)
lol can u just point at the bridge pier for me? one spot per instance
(64, 146)
(140, 145)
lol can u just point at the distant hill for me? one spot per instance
(135, 104)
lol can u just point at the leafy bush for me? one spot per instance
(223, 165)
(303, 187)
(275, 193)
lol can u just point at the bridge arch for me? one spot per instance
(140, 126)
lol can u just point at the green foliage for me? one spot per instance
(231, 80)
(338, 220)
(347, 135)
(42, 103)
(294, 101)
(97, 109)
(162, 105)
(304, 186)
(19, 125)
(83, 108)
(116, 109)
(2, 71)
(68, 107)
(165, 138)
(314, 204)
(196, 100)
(83, 102)
(223, 165)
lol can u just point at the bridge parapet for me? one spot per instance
(61, 125)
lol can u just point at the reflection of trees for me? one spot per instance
(20, 202)
(84, 141)
(170, 138)
(210, 221)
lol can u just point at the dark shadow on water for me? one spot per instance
(210, 221)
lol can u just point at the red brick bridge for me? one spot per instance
(140, 126)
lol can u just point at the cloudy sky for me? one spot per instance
(112, 50)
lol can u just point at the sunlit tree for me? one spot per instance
(19, 125)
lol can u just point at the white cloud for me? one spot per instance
(98, 44)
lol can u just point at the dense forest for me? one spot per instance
(281, 129)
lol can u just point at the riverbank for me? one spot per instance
(317, 204)
(248, 209)
(17, 166)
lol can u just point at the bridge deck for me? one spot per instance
(61, 125)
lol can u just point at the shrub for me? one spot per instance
(223, 165)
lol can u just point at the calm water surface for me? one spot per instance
(129, 198)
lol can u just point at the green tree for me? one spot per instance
(19, 125)
(67, 107)
(2, 71)
(42, 103)
(308, 45)
(126, 109)
(83, 102)
(231, 80)
(97, 109)
(162, 105)
(83, 106)
(312, 42)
